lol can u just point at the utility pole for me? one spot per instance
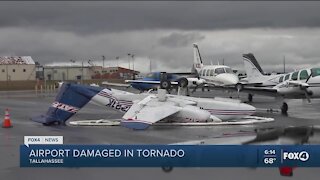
(134, 74)
(150, 65)
(129, 59)
(82, 73)
(117, 58)
(103, 58)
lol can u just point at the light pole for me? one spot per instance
(82, 72)
(117, 58)
(103, 58)
(134, 74)
(129, 59)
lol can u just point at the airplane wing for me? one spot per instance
(148, 82)
(148, 111)
(115, 84)
(248, 89)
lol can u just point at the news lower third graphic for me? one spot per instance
(49, 151)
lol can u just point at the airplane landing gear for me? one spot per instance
(250, 96)
(284, 108)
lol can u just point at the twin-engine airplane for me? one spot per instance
(142, 110)
(213, 75)
(304, 83)
(301, 84)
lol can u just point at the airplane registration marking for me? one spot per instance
(114, 103)
(65, 107)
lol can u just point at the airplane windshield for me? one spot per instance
(315, 72)
(150, 75)
(228, 70)
(219, 70)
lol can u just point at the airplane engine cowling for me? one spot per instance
(195, 81)
(194, 114)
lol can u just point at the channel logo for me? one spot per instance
(301, 156)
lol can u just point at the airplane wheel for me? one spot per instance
(167, 169)
(166, 84)
(239, 87)
(183, 82)
(250, 97)
(284, 108)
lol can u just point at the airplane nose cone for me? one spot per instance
(228, 78)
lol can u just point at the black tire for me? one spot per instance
(183, 82)
(166, 84)
(284, 108)
(250, 97)
(167, 169)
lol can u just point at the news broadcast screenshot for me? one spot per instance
(159, 90)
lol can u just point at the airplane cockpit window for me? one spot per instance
(150, 75)
(219, 70)
(315, 72)
(204, 72)
(295, 75)
(208, 72)
(211, 72)
(200, 73)
(281, 79)
(287, 77)
(228, 70)
(303, 74)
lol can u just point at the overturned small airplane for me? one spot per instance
(142, 110)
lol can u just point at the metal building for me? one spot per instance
(17, 68)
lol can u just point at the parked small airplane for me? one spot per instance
(153, 81)
(142, 110)
(302, 84)
(214, 75)
(204, 75)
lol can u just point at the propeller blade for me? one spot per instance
(194, 89)
(308, 77)
(307, 95)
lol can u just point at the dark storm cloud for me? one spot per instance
(92, 17)
(162, 31)
(180, 39)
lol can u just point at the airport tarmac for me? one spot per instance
(26, 104)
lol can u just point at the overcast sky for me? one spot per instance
(163, 32)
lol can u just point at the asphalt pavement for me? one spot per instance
(25, 104)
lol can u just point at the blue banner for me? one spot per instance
(170, 155)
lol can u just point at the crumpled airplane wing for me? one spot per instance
(148, 111)
(149, 82)
(115, 84)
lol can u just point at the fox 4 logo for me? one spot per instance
(301, 156)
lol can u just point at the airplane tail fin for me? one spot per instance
(69, 100)
(197, 61)
(252, 67)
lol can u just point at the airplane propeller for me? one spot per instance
(304, 87)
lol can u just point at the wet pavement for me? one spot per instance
(25, 104)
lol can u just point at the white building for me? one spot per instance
(17, 68)
(63, 73)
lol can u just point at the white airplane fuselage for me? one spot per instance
(218, 74)
(214, 74)
(287, 89)
(195, 110)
